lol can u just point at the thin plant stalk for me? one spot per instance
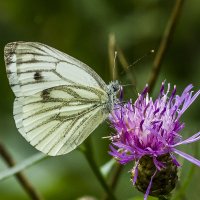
(114, 178)
(88, 153)
(165, 42)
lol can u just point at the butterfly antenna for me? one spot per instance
(127, 85)
(141, 58)
(107, 137)
(114, 67)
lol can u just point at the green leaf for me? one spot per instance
(107, 167)
(21, 166)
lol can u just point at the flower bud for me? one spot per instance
(164, 180)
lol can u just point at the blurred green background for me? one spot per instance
(81, 28)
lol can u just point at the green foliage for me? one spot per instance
(81, 28)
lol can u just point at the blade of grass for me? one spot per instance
(21, 166)
(22, 179)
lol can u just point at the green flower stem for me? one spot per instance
(116, 175)
(114, 178)
(88, 152)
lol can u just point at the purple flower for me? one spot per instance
(151, 128)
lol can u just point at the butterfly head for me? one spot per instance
(113, 89)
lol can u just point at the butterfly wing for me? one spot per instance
(59, 100)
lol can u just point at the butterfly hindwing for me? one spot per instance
(55, 126)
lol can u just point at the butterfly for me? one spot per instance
(59, 100)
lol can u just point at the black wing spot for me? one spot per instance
(38, 76)
(45, 95)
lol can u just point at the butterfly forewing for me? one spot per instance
(59, 100)
(34, 67)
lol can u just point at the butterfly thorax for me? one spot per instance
(112, 90)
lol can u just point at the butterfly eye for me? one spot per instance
(116, 88)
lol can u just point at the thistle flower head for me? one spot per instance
(151, 128)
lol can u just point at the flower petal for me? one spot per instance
(149, 186)
(188, 157)
(191, 139)
(188, 103)
(174, 160)
(135, 172)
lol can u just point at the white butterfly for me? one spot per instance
(59, 100)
